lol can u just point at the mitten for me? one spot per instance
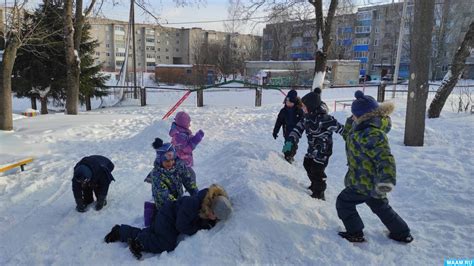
(275, 135)
(148, 178)
(287, 147)
(197, 138)
(206, 224)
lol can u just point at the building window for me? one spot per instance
(158, 57)
(376, 42)
(359, 41)
(189, 71)
(107, 45)
(167, 42)
(167, 57)
(159, 49)
(177, 34)
(120, 54)
(376, 29)
(166, 50)
(97, 53)
(107, 54)
(364, 15)
(362, 29)
(177, 41)
(374, 56)
(177, 50)
(361, 54)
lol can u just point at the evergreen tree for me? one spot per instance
(40, 68)
(92, 82)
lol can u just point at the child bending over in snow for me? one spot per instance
(288, 117)
(185, 216)
(183, 139)
(371, 173)
(319, 126)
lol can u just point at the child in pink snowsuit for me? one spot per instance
(183, 139)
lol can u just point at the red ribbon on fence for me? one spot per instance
(171, 111)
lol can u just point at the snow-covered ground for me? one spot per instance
(275, 221)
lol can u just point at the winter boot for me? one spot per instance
(289, 159)
(407, 239)
(113, 235)
(353, 237)
(135, 247)
(80, 206)
(318, 195)
(100, 204)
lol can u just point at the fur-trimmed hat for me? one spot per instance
(363, 104)
(217, 201)
(312, 100)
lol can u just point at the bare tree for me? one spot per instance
(418, 84)
(455, 72)
(201, 59)
(322, 27)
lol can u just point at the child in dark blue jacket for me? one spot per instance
(288, 117)
(92, 174)
(185, 216)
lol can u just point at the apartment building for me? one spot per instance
(156, 44)
(371, 36)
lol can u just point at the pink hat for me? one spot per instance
(182, 119)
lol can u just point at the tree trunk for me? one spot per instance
(418, 85)
(440, 40)
(72, 61)
(322, 30)
(44, 105)
(33, 103)
(6, 67)
(451, 78)
(88, 103)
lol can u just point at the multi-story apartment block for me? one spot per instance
(155, 44)
(371, 36)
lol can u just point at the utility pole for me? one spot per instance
(132, 11)
(399, 47)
